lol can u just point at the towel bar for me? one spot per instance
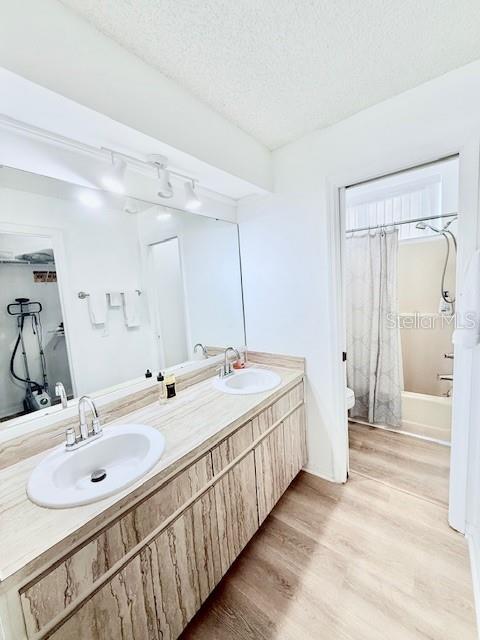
(82, 294)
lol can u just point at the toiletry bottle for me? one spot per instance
(242, 361)
(170, 384)
(148, 373)
(162, 390)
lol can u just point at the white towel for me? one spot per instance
(467, 333)
(131, 306)
(115, 298)
(97, 307)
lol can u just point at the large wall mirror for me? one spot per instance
(95, 288)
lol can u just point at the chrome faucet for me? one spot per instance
(202, 347)
(61, 393)
(85, 436)
(226, 368)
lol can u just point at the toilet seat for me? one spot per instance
(350, 398)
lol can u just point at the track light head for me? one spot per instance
(113, 180)
(192, 201)
(165, 186)
(165, 189)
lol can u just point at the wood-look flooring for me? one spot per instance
(368, 560)
(411, 464)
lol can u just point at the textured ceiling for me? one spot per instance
(281, 68)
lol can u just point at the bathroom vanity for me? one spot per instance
(140, 564)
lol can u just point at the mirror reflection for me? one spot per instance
(96, 288)
(33, 348)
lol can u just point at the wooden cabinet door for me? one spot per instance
(233, 446)
(75, 576)
(271, 476)
(295, 443)
(236, 503)
(185, 566)
(123, 608)
(158, 591)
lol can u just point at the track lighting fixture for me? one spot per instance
(113, 180)
(165, 187)
(192, 201)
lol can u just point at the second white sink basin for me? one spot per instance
(123, 454)
(246, 381)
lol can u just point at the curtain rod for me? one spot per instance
(394, 224)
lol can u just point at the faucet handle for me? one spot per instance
(96, 426)
(70, 437)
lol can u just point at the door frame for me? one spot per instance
(465, 440)
(154, 301)
(56, 239)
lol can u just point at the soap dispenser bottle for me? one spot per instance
(162, 390)
(170, 384)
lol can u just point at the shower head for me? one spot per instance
(423, 225)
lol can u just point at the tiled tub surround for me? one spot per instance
(165, 541)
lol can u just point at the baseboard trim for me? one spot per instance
(473, 540)
(313, 472)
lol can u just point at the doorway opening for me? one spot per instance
(401, 236)
(33, 348)
(170, 306)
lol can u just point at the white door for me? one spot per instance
(169, 302)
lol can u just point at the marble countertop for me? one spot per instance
(193, 422)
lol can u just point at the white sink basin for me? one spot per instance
(125, 453)
(248, 381)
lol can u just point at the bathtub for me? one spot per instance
(425, 415)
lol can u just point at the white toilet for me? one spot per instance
(350, 398)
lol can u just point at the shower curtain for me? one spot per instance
(374, 365)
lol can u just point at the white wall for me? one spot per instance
(50, 45)
(288, 251)
(102, 253)
(420, 266)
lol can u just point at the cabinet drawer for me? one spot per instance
(232, 447)
(75, 575)
(277, 411)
